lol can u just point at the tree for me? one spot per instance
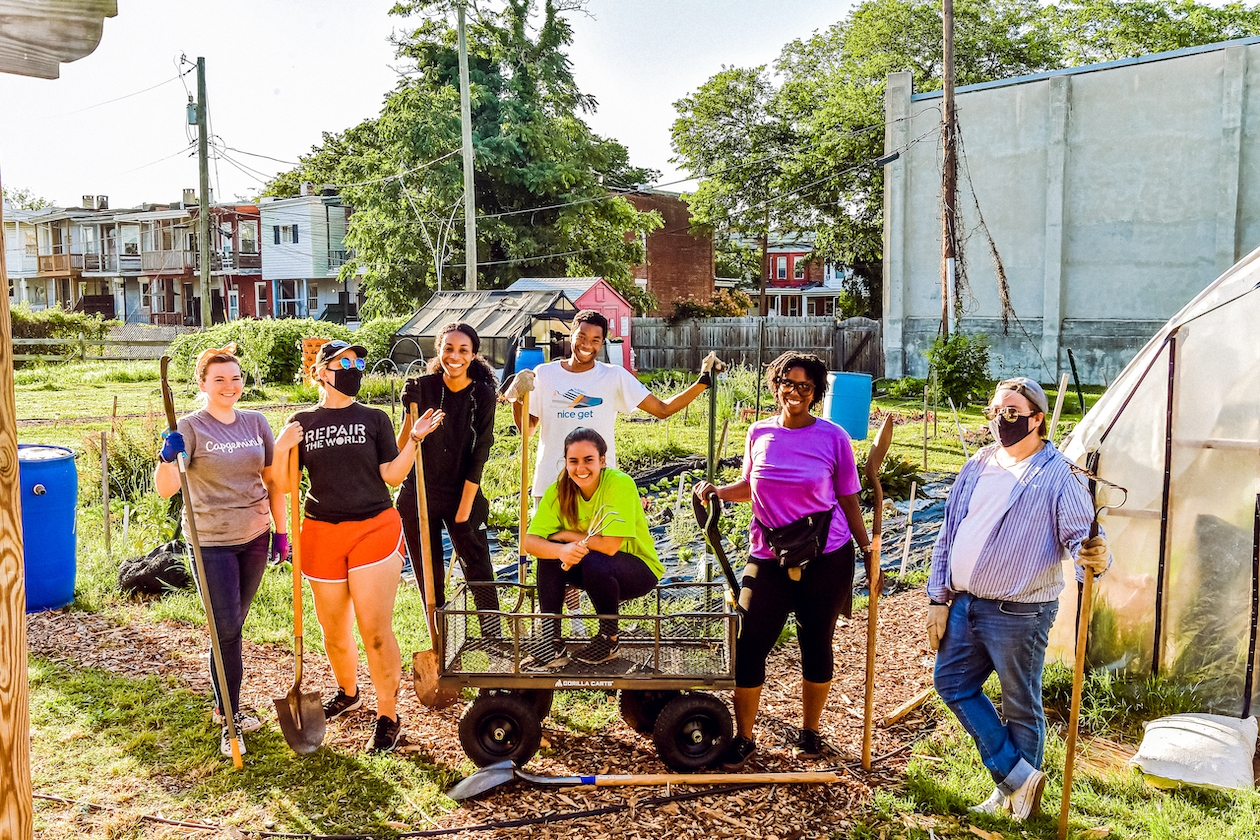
(827, 93)
(23, 199)
(546, 185)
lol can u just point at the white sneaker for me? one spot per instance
(996, 803)
(1026, 800)
(244, 722)
(225, 743)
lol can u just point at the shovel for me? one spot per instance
(216, 652)
(502, 772)
(874, 461)
(425, 666)
(300, 715)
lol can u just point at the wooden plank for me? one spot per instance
(903, 711)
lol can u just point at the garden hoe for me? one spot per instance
(199, 569)
(300, 715)
(425, 666)
(502, 772)
(875, 585)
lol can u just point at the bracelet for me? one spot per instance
(932, 603)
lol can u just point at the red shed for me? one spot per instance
(592, 293)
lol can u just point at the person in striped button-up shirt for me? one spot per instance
(1013, 512)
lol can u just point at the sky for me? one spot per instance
(281, 72)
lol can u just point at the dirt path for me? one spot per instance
(167, 649)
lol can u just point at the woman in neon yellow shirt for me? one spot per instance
(589, 531)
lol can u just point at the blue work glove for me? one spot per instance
(279, 549)
(172, 445)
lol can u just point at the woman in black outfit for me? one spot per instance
(461, 385)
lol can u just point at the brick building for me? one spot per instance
(680, 264)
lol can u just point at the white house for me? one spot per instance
(303, 251)
(21, 257)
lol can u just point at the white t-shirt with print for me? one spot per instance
(563, 401)
(989, 501)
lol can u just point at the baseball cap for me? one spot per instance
(335, 348)
(1030, 390)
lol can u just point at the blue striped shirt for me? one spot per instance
(1048, 513)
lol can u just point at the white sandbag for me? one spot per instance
(1211, 751)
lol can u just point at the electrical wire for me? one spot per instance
(120, 98)
(187, 148)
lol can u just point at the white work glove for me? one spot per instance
(711, 365)
(937, 618)
(1093, 555)
(522, 383)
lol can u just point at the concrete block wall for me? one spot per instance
(1114, 193)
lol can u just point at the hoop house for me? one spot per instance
(1180, 430)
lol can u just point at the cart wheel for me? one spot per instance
(692, 732)
(541, 698)
(498, 727)
(640, 709)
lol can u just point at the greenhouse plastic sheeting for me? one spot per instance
(1180, 430)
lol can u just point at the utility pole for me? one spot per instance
(949, 176)
(203, 194)
(764, 306)
(465, 120)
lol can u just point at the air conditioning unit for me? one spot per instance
(88, 202)
(102, 202)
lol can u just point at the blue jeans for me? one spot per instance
(233, 574)
(984, 636)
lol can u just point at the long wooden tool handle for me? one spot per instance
(524, 520)
(1078, 682)
(872, 637)
(425, 575)
(295, 547)
(714, 779)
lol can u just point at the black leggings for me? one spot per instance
(470, 543)
(607, 579)
(822, 595)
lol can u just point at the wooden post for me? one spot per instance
(105, 490)
(16, 813)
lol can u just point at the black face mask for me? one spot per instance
(348, 382)
(1010, 434)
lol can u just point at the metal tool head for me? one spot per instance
(484, 780)
(301, 718)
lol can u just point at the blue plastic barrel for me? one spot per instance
(528, 358)
(50, 495)
(848, 402)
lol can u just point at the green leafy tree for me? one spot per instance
(545, 183)
(23, 199)
(1089, 31)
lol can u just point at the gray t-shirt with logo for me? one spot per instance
(225, 463)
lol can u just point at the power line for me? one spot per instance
(119, 98)
(159, 160)
(255, 154)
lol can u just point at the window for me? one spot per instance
(792, 305)
(781, 268)
(146, 296)
(286, 234)
(249, 237)
(167, 240)
(131, 240)
(12, 289)
(822, 306)
(32, 247)
(798, 268)
(312, 299)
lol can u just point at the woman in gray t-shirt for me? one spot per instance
(235, 502)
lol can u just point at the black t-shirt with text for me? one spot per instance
(342, 450)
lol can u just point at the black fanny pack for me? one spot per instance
(796, 543)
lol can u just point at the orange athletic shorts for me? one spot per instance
(330, 550)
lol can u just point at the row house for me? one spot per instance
(796, 284)
(144, 264)
(303, 255)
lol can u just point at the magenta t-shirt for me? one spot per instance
(796, 472)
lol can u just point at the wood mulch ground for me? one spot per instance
(168, 649)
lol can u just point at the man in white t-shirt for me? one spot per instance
(580, 391)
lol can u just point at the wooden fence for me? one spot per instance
(855, 344)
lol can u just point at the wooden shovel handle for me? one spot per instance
(717, 778)
(295, 544)
(425, 573)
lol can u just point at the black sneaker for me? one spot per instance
(809, 745)
(599, 649)
(543, 655)
(341, 704)
(738, 753)
(385, 738)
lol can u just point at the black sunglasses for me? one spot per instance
(801, 388)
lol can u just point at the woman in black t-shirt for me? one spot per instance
(351, 538)
(460, 384)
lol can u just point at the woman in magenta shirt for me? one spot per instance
(798, 468)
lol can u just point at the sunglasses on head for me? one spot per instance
(1010, 414)
(346, 363)
(792, 385)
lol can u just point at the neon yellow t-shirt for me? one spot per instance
(616, 493)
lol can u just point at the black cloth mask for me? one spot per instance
(348, 382)
(1008, 434)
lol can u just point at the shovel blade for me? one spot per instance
(424, 676)
(485, 779)
(301, 718)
